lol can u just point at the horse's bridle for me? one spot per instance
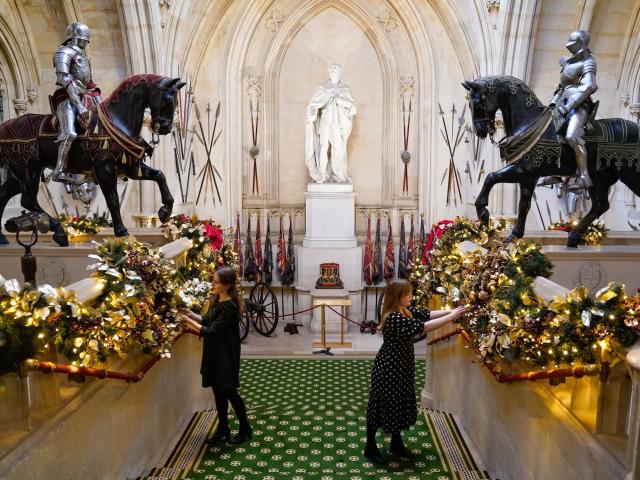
(155, 136)
(491, 122)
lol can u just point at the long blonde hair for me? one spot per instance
(397, 289)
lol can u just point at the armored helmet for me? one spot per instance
(77, 30)
(578, 41)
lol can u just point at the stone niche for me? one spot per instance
(330, 37)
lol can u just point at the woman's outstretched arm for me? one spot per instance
(446, 317)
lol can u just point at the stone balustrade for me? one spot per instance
(39, 412)
(587, 428)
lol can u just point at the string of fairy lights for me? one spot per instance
(142, 290)
(506, 318)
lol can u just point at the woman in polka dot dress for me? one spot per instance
(392, 400)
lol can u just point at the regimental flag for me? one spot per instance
(290, 270)
(249, 264)
(377, 256)
(267, 265)
(281, 259)
(421, 239)
(237, 244)
(258, 255)
(411, 249)
(369, 265)
(402, 252)
(389, 257)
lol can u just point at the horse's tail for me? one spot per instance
(19, 138)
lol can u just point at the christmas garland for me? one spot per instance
(210, 241)
(593, 235)
(135, 312)
(76, 225)
(507, 318)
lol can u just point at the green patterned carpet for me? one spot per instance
(308, 423)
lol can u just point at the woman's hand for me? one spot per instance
(456, 313)
(447, 316)
(186, 313)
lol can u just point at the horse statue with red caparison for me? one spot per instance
(109, 147)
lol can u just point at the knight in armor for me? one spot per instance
(572, 104)
(77, 90)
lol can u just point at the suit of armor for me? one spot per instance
(572, 99)
(73, 72)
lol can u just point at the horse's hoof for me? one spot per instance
(61, 239)
(121, 233)
(483, 215)
(3, 240)
(164, 213)
(573, 241)
(511, 238)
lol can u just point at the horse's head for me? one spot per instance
(483, 108)
(162, 103)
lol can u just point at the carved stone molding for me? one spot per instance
(499, 123)
(388, 21)
(493, 6)
(52, 272)
(146, 119)
(634, 109)
(407, 85)
(20, 105)
(164, 5)
(590, 274)
(32, 94)
(254, 88)
(273, 20)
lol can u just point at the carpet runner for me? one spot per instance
(308, 419)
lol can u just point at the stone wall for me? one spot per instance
(114, 429)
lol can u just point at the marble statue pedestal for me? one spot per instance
(330, 215)
(330, 237)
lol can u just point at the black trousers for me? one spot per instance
(222, 398)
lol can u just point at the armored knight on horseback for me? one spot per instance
(76, 92)
(572, 104)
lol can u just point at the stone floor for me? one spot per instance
(281, 344)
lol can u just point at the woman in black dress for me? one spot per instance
(392, 400)
(221, 353)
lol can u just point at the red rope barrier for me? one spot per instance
(361, 325)
(298, 313)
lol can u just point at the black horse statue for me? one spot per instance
(532, 149)
(107, 147)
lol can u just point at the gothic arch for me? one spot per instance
(240, 26)
(275, 56)
(21, 69)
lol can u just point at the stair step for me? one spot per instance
(164, 473)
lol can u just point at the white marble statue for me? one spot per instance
(328, 126)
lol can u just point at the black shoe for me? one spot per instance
(402, 452)
(219, 437)
(374, 455)
(242, 436)
(398, 449)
